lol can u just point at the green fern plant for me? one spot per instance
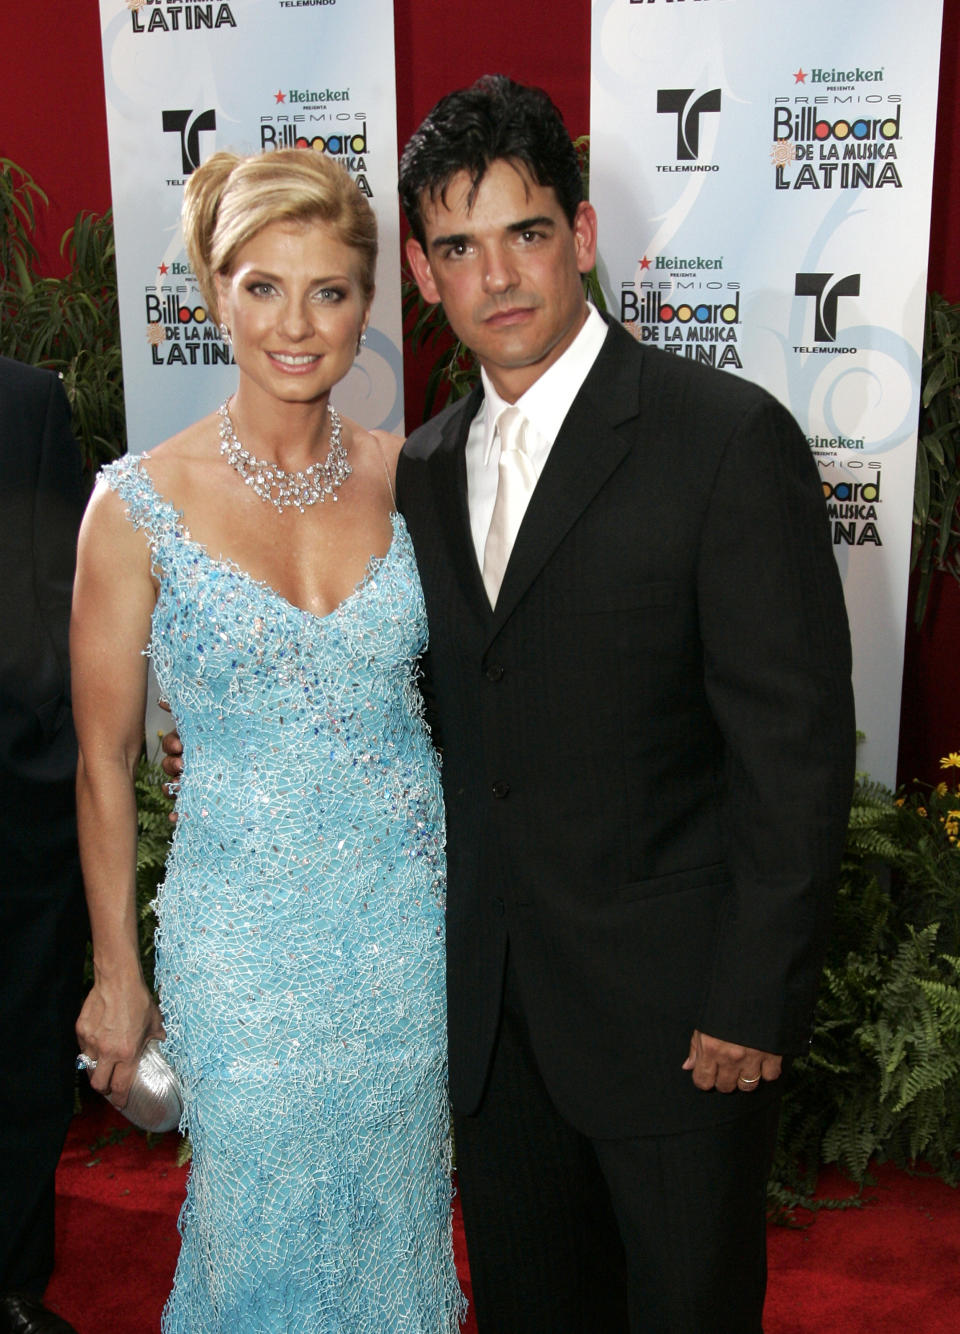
(882, 1077)
(19, 197)
(69, 325)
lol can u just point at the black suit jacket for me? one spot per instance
(647, 746)
(41, 502)
(42, 918)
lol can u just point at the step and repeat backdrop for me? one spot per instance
(762, 171)
(185, 80)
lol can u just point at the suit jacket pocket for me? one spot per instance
(52, 714)
(676, 882)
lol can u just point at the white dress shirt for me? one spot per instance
(545, 405)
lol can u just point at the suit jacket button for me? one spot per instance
(494, 672)
(500, 788)
(498, 907)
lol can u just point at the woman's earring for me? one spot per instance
(224, 331)
(361, 341)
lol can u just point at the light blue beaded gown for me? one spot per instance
(300, 948)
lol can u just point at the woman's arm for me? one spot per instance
(112, 603)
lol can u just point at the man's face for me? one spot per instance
(507, 271)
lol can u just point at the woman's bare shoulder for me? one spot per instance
(390, 445)
(388, 439)
(172, 464)
(174, 467)
(193, 442)
(373, 448)
(108, 541)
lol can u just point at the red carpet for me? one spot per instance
(893, 1265)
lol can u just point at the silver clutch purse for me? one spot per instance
(155, 1102)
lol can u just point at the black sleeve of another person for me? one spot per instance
(42, 917)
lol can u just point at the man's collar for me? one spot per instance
(549, 399)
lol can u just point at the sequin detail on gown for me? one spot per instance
(300, 948)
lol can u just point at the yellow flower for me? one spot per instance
(941, 789)
(922, 810)
(951, 761)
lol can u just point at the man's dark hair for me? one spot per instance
(467, 130)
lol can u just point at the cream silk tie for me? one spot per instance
(516, 480)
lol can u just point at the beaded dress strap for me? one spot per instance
(145, 507)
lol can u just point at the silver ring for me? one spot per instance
(85, 1062)
(744, 1080)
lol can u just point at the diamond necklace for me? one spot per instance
(287, 489)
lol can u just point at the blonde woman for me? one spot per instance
(258, 559)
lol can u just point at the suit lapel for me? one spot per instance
(449, 469)
(585, 453)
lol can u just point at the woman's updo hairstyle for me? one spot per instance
(229, 199)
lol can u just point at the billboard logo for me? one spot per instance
(806, 125)
(649, 308)
(180, 333)
(853, 502)
(685, 316)
(840, 149)
(282, 133)
(815, 285)
(676, 102)
(189, 125)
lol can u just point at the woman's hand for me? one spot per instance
(116, 1022)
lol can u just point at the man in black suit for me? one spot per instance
(640, 666)
(42, 917)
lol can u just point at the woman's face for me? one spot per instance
(295, 308)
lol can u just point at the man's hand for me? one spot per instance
(172, 762)
(728, 1067)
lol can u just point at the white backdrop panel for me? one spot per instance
(769, 213)
(184, 80)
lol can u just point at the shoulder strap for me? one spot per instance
(145, 507)
(386, 469)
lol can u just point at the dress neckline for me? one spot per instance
(373, 567)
